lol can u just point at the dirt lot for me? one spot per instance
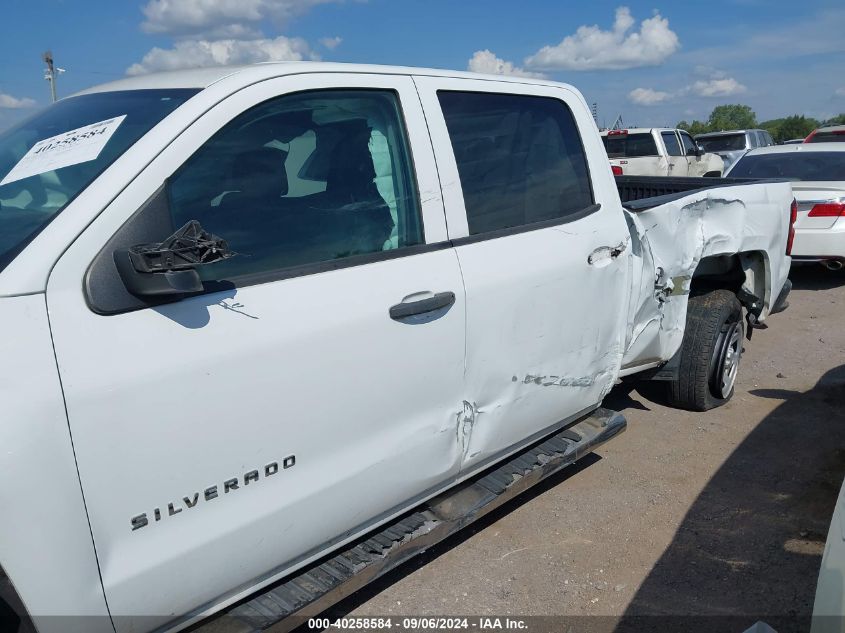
(716, 514)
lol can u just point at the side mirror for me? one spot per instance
(169, 267)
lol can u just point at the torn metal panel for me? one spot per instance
(465, 419)
(750, 221)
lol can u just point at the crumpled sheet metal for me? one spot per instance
(676, 236)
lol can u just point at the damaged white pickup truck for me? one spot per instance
(269, 331)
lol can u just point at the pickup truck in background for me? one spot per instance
(270, 331)
(658, 152)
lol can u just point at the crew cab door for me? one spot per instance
(678, 163)
(309, 389)
(535, 218)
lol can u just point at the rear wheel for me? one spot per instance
(710, 353)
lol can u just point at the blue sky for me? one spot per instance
(653, 63)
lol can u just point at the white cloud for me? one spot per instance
(841, 91)
(486, 62)
(725, 87)
(212, 19)
(719, 84)
(331, 43)
(203, 53)
(647, 96)
(14, 103)
(590, 48)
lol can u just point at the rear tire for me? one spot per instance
(710, 353)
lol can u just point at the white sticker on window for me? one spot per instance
(65, 149)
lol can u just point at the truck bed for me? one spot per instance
(639, 193)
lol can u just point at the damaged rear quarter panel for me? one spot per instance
(676, 236)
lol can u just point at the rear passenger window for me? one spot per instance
(520, 159)
(302, 179)
(670, 139)
(620, 144)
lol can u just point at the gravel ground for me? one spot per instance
(717, 514)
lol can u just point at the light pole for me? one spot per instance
(51, 72)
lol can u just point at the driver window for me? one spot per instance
(302, 179)
(689, 145)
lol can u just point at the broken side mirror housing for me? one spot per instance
(169, 267)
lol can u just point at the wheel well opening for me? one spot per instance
(718, 272)
(744, 274)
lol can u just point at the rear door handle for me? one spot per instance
(412, 308)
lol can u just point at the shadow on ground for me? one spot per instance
(750, 546)
(816, 278)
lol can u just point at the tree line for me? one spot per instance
(741, 117)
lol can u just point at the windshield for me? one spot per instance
(630, 145)
(48, 159)
(724, 143)
(792, 165)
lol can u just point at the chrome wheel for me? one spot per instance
(729, 353)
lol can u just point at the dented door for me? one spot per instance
(543, 251)
(227, 438)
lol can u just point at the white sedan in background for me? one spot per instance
(818, 175)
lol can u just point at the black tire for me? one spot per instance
(710, 353)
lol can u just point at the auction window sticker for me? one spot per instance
(63, 150)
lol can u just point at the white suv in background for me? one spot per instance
(732, 144)
(658, 152)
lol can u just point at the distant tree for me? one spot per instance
(795, 126)
(773, 127)
(839, 119)
(731, 117)
(696, 127)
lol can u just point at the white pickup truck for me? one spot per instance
(268, 331)
(659, 152)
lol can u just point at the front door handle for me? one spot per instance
(412, 308)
